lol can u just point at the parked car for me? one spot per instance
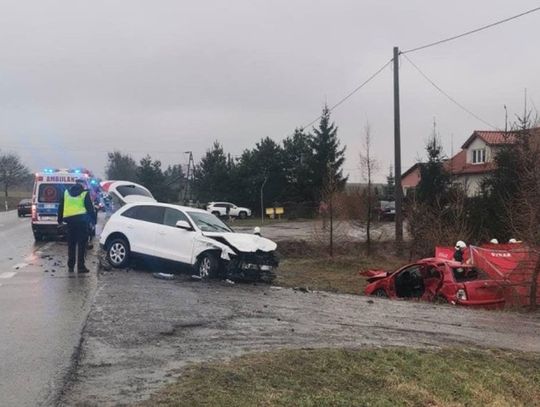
(189, 236)
(228, 209)
(24, 207)
(437, 280)
(387, 210)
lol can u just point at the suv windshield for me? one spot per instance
(208, 222)
(126, 190)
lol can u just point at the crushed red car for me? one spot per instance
(437, 280)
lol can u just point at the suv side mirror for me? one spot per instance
(182, 224)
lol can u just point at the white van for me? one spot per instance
(49, 187)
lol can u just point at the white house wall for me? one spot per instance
(471, 183)
(478, 144)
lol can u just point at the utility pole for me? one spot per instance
(398, 191)
(187, 190)
(262, 198)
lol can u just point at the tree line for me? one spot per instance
(294, 171)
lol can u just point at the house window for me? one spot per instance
(479, 156)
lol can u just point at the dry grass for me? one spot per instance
(304, 265)
(368, 377)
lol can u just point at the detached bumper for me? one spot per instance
(253, 267)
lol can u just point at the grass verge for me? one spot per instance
(309, 267)
(368, 377)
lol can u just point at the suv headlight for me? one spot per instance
(461, 295)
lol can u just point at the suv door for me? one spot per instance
(141, 224)
(174, 243)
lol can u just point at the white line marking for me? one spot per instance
(7, 274)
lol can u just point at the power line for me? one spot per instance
(485, 27)
(448, 96)
(350, 94)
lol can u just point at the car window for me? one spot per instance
(412, 271)
(462, 274)
(220, 205)
(208, 222)
(126, 190)
(147, 213)
(172, 216)
(130, 213)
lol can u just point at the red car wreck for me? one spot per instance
(437, 280)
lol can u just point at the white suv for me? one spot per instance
(189, 236)
(228, 209)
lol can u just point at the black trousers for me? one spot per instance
(77, 237)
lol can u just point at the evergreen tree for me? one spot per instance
(262, 165)
(327, 158)
(297, 155)
(212, 176)
(390, 185)
(434, 179)
(120, 167)
(175, 182)
(150, 175)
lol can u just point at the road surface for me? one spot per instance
(42, 312)
(141, 331)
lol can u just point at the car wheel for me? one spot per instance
(216, 213)
(242, 215)
(380, 293)
(207, 266)
(118, 253)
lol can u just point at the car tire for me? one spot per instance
(118, 252)
(242, 215)
(380, 293)
(207, 266)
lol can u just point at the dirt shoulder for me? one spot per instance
(142, 332)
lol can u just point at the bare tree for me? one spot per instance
(12, 172)
(368, 168)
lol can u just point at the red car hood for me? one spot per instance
(374, 275)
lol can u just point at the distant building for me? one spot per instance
(472, 164)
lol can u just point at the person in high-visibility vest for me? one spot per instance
(77, 211)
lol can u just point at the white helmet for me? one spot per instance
(460, 244)
(257, 230)
(494, 241)
(512, 240)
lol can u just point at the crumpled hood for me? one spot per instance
(245, 242)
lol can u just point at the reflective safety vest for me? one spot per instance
(74, 205)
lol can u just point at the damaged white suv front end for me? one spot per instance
(243, 256)
(190, 236)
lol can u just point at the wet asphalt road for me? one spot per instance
(141, 331)
(42, 312)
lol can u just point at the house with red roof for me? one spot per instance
(472, 164)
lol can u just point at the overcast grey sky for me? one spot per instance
(80, 78)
